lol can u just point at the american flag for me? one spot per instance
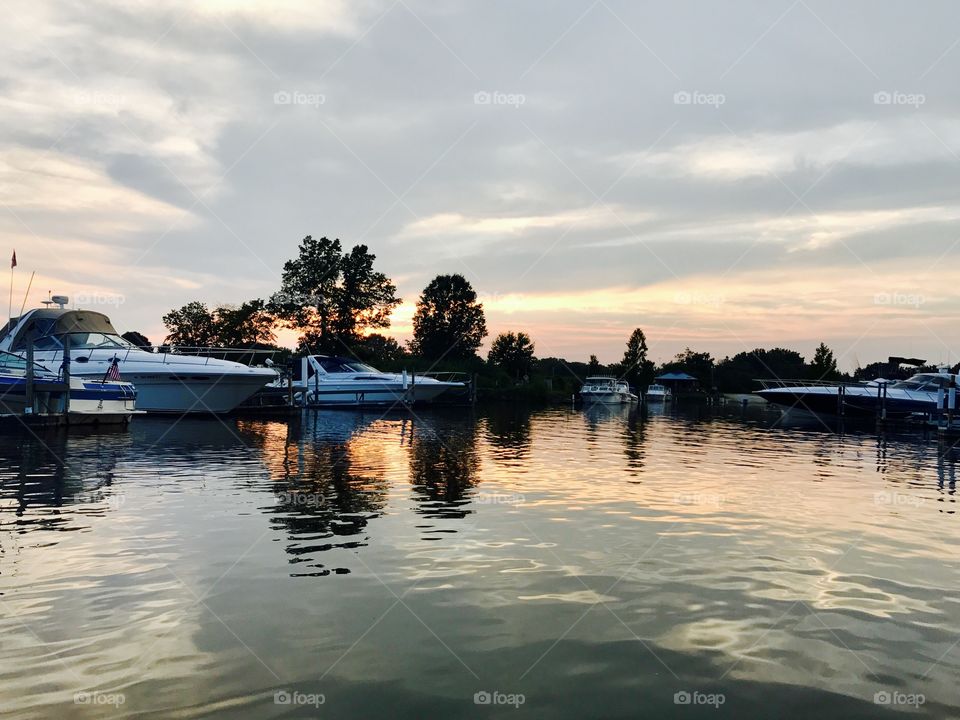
(113, 372)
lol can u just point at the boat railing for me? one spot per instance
(774, 383)
(168, 353)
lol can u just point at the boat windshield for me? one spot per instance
(11, 364)
(338, 365)
(600, 381)
(97, 341)
(924, 382)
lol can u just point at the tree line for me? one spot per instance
(339, 302)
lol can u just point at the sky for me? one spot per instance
(723, 175)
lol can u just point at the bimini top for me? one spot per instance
(51, 322)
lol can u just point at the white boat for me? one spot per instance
(606, 389)
(165, 381)
(659, 393)
(329, 380)
(90, 401)
(922, 393)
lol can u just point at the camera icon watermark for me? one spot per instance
(696, 97)
(499, 499)
(895, 97)
(495, 97)
(886, 697)
(111, 299)
(495, 697)
(899, 299)
(295, 97)
(98, 698)
(896, 499)
(292, 697)
(301, 499)
(695, 697)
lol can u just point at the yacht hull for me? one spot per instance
(857, 402)
(193, 393)
(606, 398)
(348, 394)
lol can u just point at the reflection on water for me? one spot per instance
(582, 558)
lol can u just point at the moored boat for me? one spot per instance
(41, 394)
(165, 381)
(606, 389)
(330, 380)
(658, 393)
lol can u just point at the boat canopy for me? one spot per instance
(49, 323)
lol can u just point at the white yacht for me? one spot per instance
(659, 393)
(922, 393)
(606, 389)
(165, 381)
(329, 380)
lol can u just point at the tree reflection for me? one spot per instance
(444, 464)
(508, 430)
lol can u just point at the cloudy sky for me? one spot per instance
(724, 175)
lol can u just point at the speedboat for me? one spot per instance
(922, 393)
(330, 380)
(90, 401)
(607, 390)
(658, 393)
(165, 381)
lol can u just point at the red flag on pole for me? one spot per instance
(13, 260)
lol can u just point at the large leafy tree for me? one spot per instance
(698, 364)
(332, 297)
(449, 322)
(637, 370)
(513, 352)
(245, 325)
(193, 325)
(737, 374)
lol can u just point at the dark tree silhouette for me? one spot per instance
(449, 322)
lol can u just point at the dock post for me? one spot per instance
(66, 375)
(951, 400)
(473, 390)
(413, 382)
(28, 403)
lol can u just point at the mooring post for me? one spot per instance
(951, 400)
(66, 374)
(28, 403)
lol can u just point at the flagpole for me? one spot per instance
(10, 304)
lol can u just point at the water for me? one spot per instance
(584, 564)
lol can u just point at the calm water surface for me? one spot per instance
(584, 564)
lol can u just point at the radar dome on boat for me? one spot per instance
(61, 300)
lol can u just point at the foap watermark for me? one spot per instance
(96, 298)
(495, 97)
(895, 97)
(886, 697)
(711, 499)
(696, 97)
(499, 499)
(695, 697)
(296, 299)
(896, 499)
(98, 99)
(301, 499)
(296, 97)
(697, 298)
(292, 697)
(899, 299)
(95, 697)
(495, 697)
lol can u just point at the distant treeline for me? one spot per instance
(338, 303)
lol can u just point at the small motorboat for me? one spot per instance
(657, 393)
(333, 381)
(607, 390)
(98, 401)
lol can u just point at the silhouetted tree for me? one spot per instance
(332, 297)
(697, 364)
(824, 364)
(243, 326)
(593, 367)
(737, 374)
(193, 325)
(449, 322)
(635, 367)
(513, 353)
(138, 339)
